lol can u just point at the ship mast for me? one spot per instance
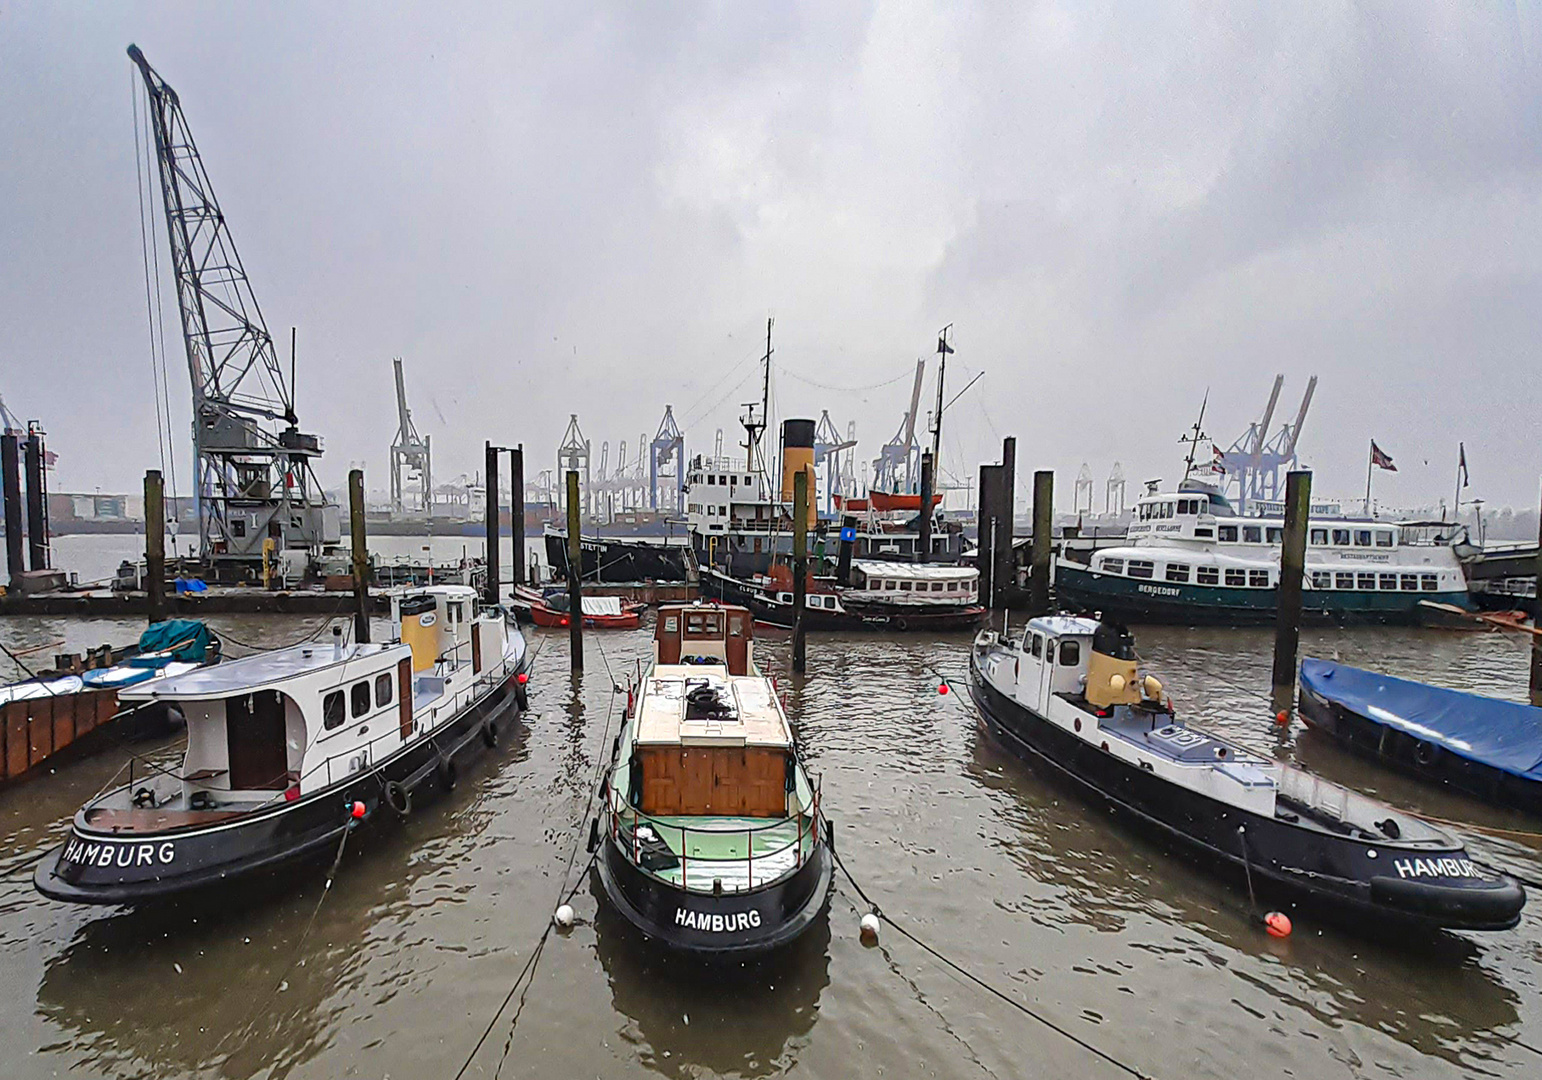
(1195, 437)
(943, 350)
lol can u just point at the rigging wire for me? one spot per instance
(844, 389)
(161, 423)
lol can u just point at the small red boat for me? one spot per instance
(600, 612)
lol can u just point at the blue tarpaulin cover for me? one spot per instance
(1502, 734)
(190, 637)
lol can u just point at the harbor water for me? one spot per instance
(1099, 929)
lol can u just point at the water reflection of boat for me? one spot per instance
(688, 1025)
(1450, 1002)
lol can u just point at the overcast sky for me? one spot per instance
(555, 208)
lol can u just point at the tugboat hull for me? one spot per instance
(99, 866)
(729, 926)
(1368, 882)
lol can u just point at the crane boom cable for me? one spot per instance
(144, 257)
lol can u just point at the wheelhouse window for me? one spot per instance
(1343, 581)
(1141, 568)
(1319, 537)
(1178, 572)
(1037, 647)
(1362, 538)
(904, 586)
(384, 688)
(1253, 534)
(1258, 579)
(1429, 582)
(332, 710)
(1383, 538)
(1322, 579)
(1208, 575)
(1341, 537)
(1070, 653)
(360, 695)
(1113, 566)
(1236, 578)
(1226, 533)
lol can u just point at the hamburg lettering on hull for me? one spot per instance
(1452, 868)
(717, 922)
(107, 854)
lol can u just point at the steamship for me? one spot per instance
(288, 749)
(710, 836)
(1065, 693)
(1191, 558)
(738, 528)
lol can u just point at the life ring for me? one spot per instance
(1425, 753)
(398, 798)
(901, 624)
(490, 732)
(446, 772)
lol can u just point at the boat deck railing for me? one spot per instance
(769, 850)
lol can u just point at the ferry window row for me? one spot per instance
(334, 712)
(1341, 579)
(1179, 573)
(719, 480)
(891, 585)
(1317, 537)
(1173, 508)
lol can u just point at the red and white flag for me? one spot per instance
(1381, 459)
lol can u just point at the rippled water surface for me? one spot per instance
(428, 922)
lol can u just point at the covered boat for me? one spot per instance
(711, 838)
(1484, 747)
(1066, 693)
(552, 608)
(282, 745)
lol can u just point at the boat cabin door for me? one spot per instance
(254, 739)
(737, 644)
(1031, 669)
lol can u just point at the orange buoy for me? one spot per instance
(1278, 924)
(522, 678)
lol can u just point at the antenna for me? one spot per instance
(1196, 435)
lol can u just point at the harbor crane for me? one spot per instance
(411, 457)
(1083, 488)
(897, 467)
(828, 448)
(1256, 463)
(573, 456)
(666, 459)
(255, 488)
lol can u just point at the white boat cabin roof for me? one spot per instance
(260, 671)
(1063, 625)
(693, 705)
(914, 571)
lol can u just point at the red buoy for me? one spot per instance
(1282, 718)
(522, 678)
(357, 810)
(942, 688)
(1278, 924)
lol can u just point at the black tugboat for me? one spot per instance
(1065, 692)
(286, 749)
(710, 833)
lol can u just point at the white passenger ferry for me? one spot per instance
(1191, 558)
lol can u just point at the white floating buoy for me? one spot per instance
(870, 929)
(564, 916)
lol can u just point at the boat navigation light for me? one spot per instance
(564, 917)
(869, 928)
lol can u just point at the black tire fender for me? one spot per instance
(447, 773)
(398, 798)
(490, 732)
